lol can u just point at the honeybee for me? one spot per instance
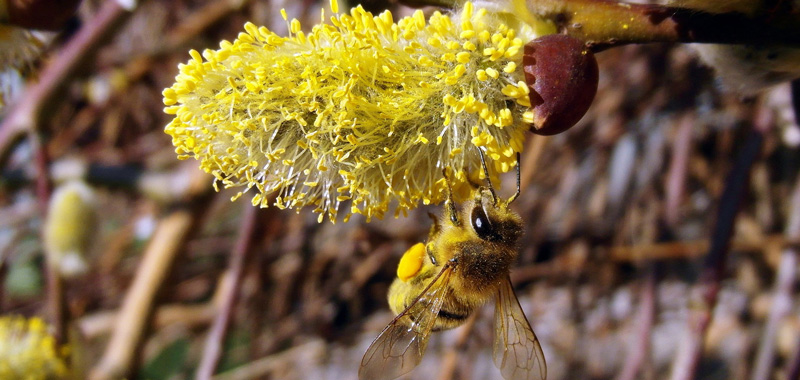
(464, 264)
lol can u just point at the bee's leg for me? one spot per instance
(429, 251)
(516, 195)
(451, 206)
(486, 174)
(435, 227)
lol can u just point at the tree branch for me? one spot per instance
(604, 24)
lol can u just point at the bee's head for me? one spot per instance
(487, 215)
(491, 219)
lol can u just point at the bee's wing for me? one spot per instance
(517, 352)
(400, 346)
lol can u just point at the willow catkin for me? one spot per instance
(363, 110)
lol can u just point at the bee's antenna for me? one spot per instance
(486, 173)
(516, 195)
(450, 204)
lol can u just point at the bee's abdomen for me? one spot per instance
(453, 314)
(455, 317)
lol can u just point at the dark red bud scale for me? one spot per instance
(562, 74)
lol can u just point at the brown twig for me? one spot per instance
(231, 285)
(56, 304)
(676, 175)
(796, 100)
(736, 185)
(42, 162)
(784, 286)
(793, 370)
(161, 252)
(96, 325)
(640, 350)
(3, 272)
(32, 108)
(5, 256)
(604, 23)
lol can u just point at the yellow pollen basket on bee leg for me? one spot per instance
(411, 262)
(359, 113)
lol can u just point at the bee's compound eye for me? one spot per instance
(482, 226)
(411, 262)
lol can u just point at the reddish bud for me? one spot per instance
(561, 73)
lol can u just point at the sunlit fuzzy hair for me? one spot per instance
(28, 351)
(362, 110)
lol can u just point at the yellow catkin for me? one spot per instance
(353, 107)
(28, 351)
(69, 227)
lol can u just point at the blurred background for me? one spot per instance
(614, 271)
